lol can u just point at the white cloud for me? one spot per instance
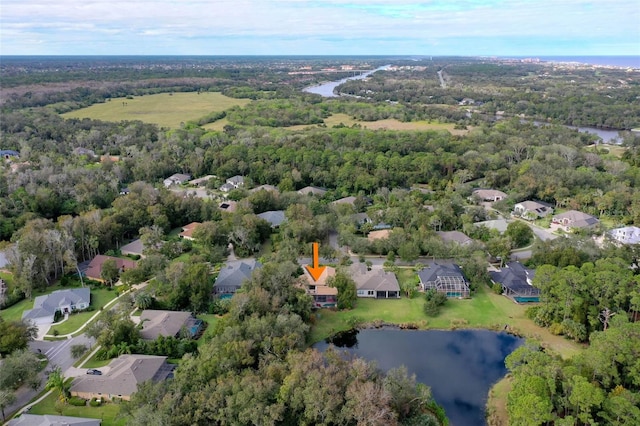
(170, 21)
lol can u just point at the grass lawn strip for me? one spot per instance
(106, 412)
(99, 298)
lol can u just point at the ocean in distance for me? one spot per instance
(632, 61)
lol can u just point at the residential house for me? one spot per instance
(125, 191)
(499, 225)
(268, 188)
(323, 295)
(176, 179)
(228, 206)
(515, 280)
(346, 200)
(232, 183)
(233, 274)
(134, 248)
(94, 270)
(313, 190)
(456, 237)
(187, 230)
(157, 323)
(8, 154)
(122, 377)
(447, 279)
(201, 181)
(63, 301)
(531, 210)
(361, 219)
(490, 195)
(274, 217)
(626, 235)
(26, 419)
(376, 283)
(573, 219)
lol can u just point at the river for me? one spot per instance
(459, 366)
(327, 90)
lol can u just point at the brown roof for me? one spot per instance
(188, 229)
(379, 235)
(321, 287)
(374, 279)
(95, 267)
(162, 323)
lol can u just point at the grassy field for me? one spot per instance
(106, 412)
(99, 298)
(163, 109)
(497, 404)
(484, 310)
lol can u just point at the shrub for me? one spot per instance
(77, 401)
(95, 402)
(556, 328)
(497, 288)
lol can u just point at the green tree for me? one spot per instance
(15, 335)
(110, 271)
(78, 350)
(57, 382)
(347, 292)
(520, 233)
(18, 368)
(7, 397)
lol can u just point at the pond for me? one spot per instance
(460, 366)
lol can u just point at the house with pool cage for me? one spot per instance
(447, 279)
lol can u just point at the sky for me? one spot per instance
(320, 27)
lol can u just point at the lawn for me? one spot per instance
(99, 298)
(14, 313)
(106, 412)
(164, 109)
(211, 321)
(484, 310)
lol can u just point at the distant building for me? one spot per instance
(157, 323)
(573, 219)
(134, 248)
(232, 183)
(312, 190)
(457, 237)
(176, 179)
(268, 188)
(274, 217)
(626, 235)
(489, 194)
(201, 181)
(187, 230)
(8, 154)
(531, 210)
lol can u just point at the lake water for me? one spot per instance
(459, 366)
(326, 89)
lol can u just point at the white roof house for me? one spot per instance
(65, 301)
(176, 179)
(626, 235)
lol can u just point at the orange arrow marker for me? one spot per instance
(315, 270)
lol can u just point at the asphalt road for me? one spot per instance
(59, 354)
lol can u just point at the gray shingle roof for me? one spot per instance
(274, 217)
(515, 277)
(162, 323)
(48, 304)
(233, 274)
(375, 279)
(124, 375)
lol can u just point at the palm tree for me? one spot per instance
(56, 381)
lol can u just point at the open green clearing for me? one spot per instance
(484, 310)
(164, 109)
(106, 412)
(210, 319)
